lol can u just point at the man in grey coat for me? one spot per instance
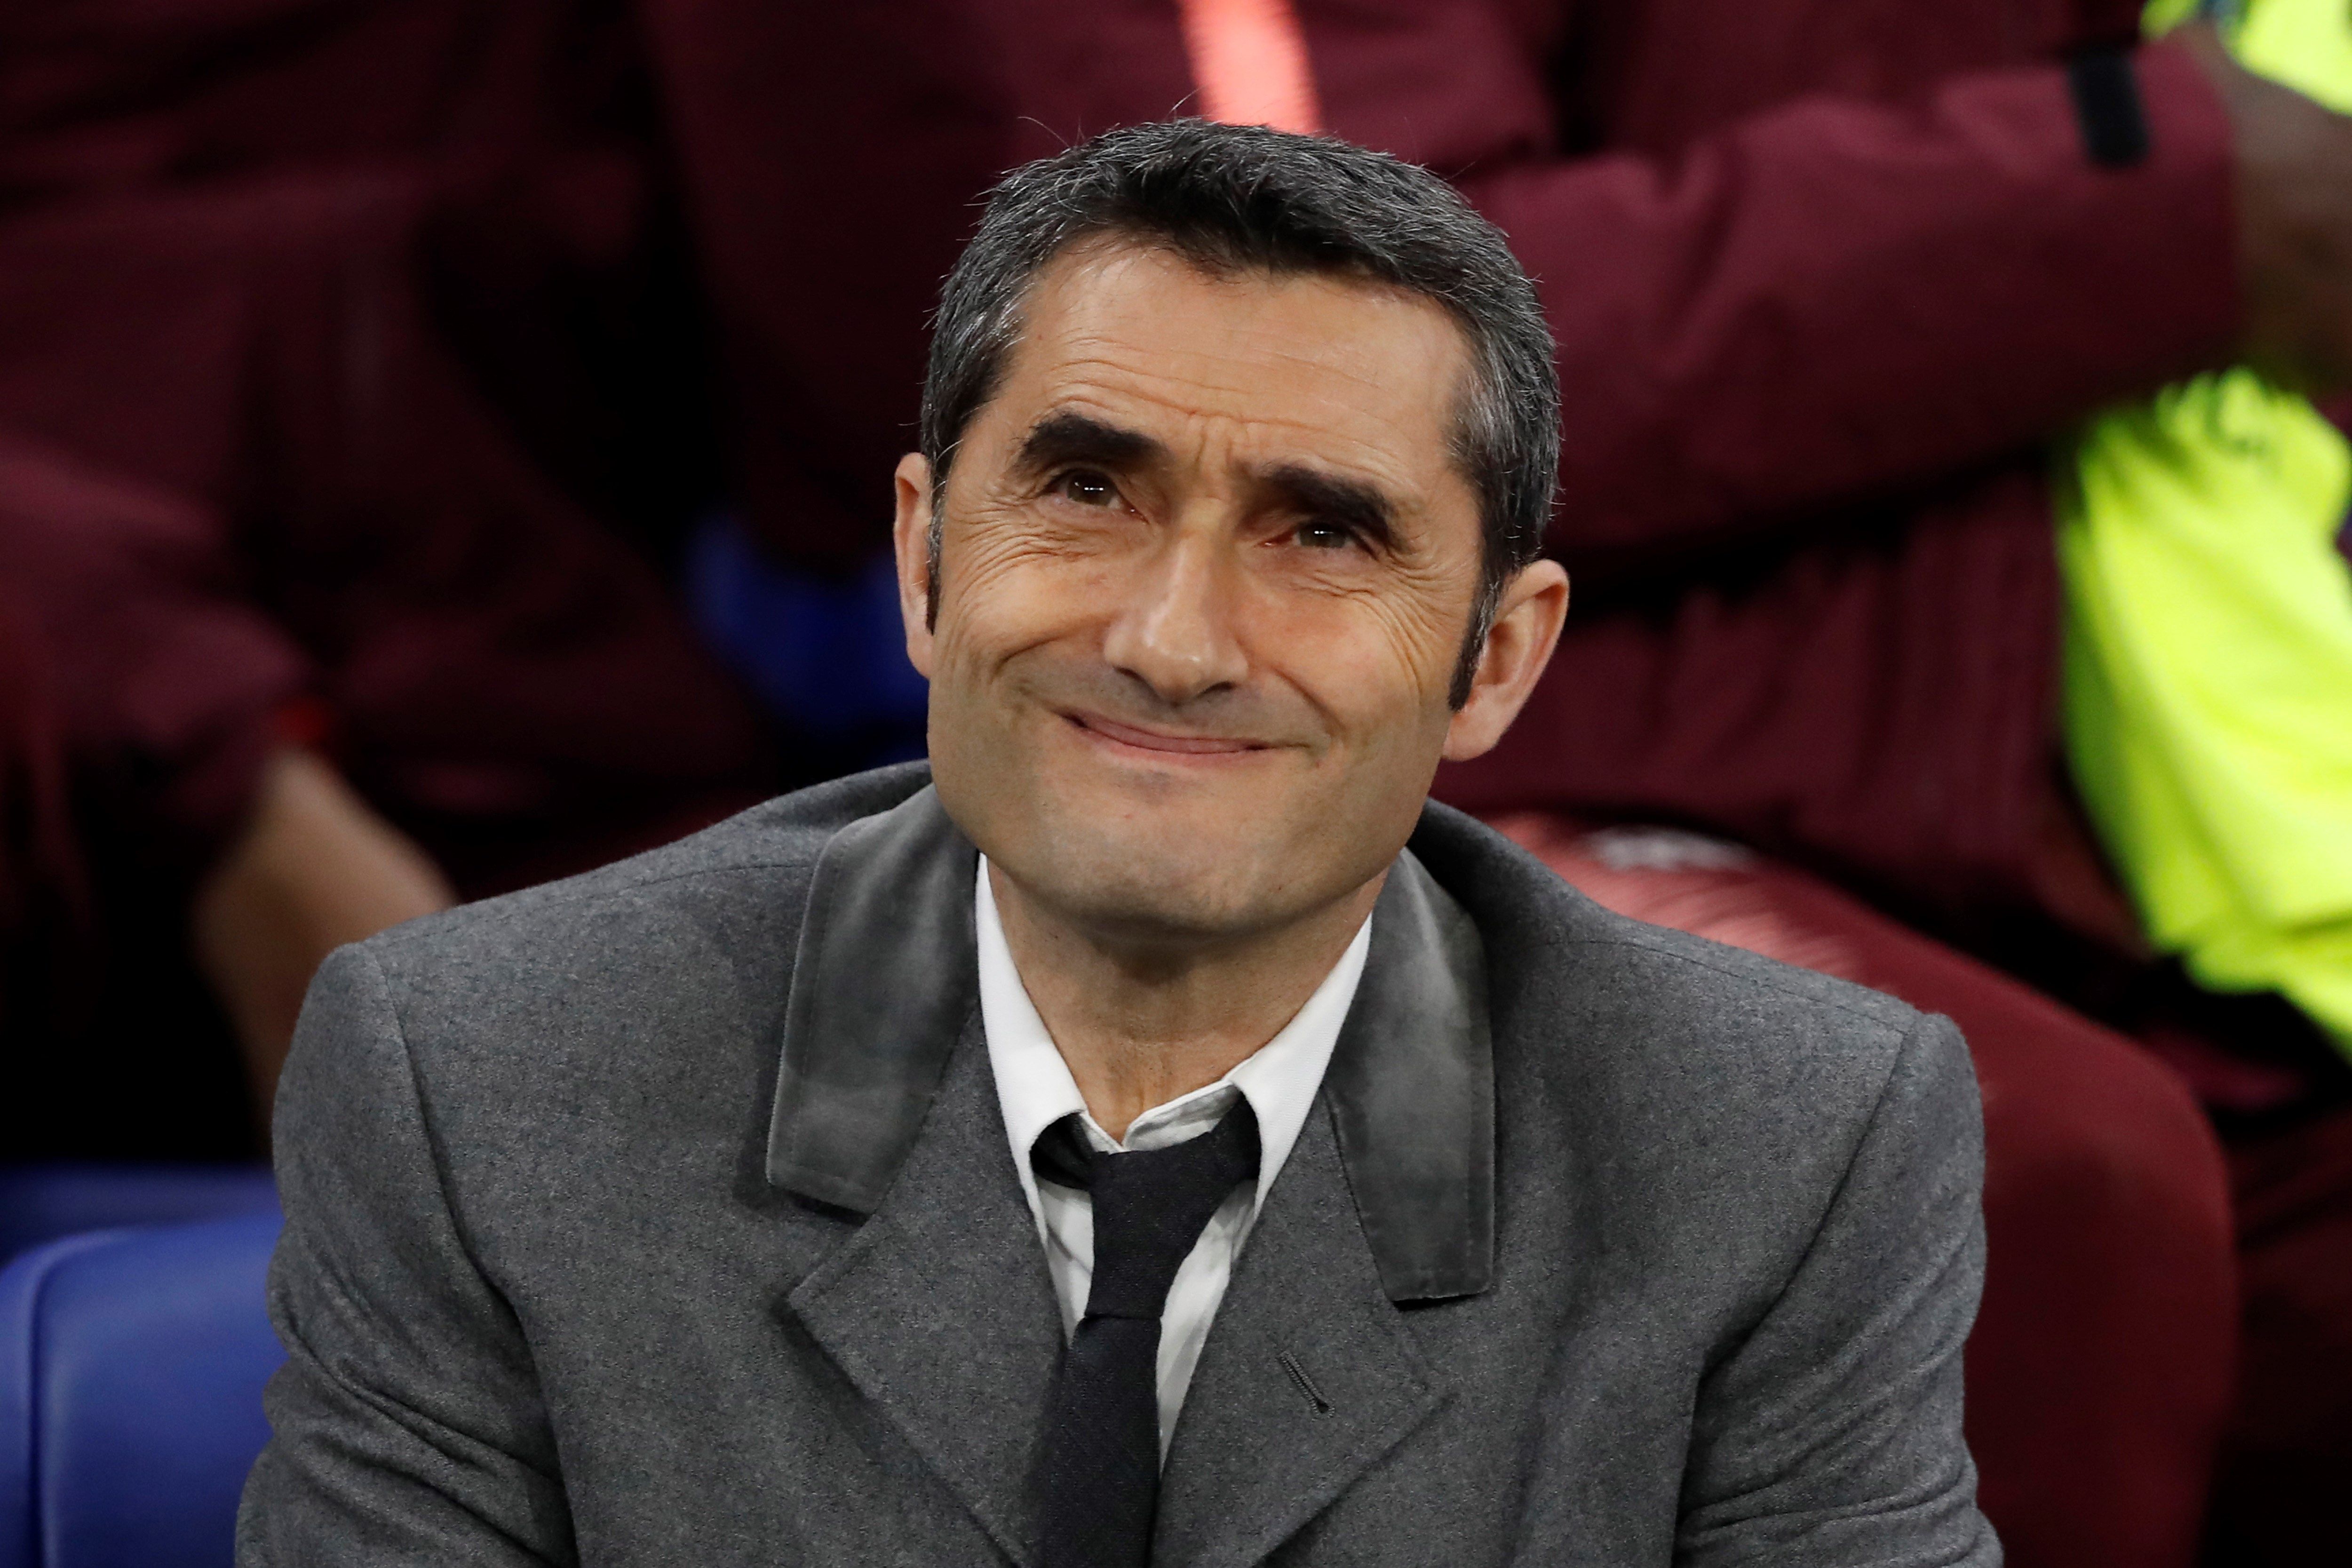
(1151, 1132)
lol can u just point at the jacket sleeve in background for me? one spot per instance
(408, 1423)
(1840, 296)
(1831, 1433)
(107, 95)
(167, 680)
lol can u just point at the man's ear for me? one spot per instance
(1528, 619)
(911, 539)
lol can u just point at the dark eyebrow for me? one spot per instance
(1359, 505)
(1066, 436)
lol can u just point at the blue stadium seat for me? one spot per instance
(827, 656)
(42, 1201)
(131, 1364)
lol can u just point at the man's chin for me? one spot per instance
(1180, 880)
(1149, 911)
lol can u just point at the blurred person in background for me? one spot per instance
(333, 634)
(1827, 278)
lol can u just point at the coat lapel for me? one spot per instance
(1310, 1376)
(939, 1308)
(884, 978)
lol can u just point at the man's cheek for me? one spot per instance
(1040, 597)
(1361, 666)
(1420, 639)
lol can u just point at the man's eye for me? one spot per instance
(1325, 535)
(1085, 487)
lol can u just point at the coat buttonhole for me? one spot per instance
(1305, 1384)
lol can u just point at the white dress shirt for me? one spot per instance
(1034, 1088)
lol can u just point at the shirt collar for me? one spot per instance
(1034, 1088)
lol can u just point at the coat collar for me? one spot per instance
(1412, 1091)
(886, 977)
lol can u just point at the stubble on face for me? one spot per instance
(1207, 565)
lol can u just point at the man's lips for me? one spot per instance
(1162, 741)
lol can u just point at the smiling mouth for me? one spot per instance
(1163, 742)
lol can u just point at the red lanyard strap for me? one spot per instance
(1250, 59)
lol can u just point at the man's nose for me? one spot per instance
(1175, 633)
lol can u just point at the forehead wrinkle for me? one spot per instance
(1242, 370)
(1114, 392)
(1256, 320)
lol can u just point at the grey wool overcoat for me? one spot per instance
(665, 1218)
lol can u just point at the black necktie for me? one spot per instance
(1100, 1472)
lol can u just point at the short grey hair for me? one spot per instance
(1232, 199)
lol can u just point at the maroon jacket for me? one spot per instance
(246, 472)
(1825, 275)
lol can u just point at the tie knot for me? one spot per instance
(1150, 1205)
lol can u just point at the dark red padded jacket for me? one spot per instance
(1826, 274)
(245, 470)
